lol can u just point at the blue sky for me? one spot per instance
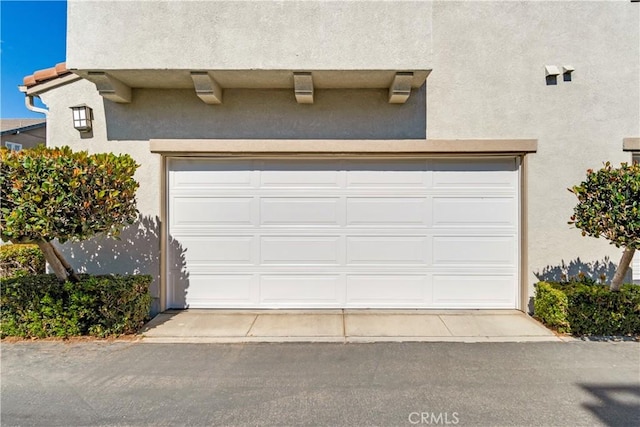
(33, 37)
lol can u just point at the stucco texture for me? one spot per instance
(244, 35)
(488, 81)
(138, 251)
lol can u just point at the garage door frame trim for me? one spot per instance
(495, 148)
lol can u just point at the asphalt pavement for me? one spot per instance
(320, 384)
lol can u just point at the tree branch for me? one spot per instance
(72, 276)
(623, 266)
(53, 260)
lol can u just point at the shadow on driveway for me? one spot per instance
(616, 404)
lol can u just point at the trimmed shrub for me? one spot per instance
(57, 194)
(550, 307)
(40, 306)
(608, 207)
(588, 309)
(20, 260)
(596, 310)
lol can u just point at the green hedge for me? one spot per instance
(40, 306)
(583, 308)
(20, 260)
(550, 307)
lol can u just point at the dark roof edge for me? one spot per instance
(23, 129)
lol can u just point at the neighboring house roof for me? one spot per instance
(46, 74)
(14, 126)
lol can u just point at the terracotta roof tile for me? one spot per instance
(46, 74)
(29, 80)
(61, 68)
(42, 76)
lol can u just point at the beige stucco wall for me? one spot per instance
(60, 131)
(29, 139)
(489, 81)
(249, 34)
(252, 114)
(266, 114)
(138, 251)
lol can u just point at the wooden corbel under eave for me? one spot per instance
(207, 89)
(109, 87)
(400, 88)
(303, 87)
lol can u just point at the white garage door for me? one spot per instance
(327, 233)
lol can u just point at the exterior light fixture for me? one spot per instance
(82, 117)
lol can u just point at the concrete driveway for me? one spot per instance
(321, 384)
(226, 326)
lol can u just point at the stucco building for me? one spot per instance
(373, 154)
(17, 134)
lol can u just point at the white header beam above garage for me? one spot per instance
(240, 147)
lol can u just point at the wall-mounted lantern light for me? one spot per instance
(82, 116)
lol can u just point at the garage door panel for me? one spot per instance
(386, 290)
(380, 174)
(300, 250)
(205, 290)
(212, 211)
(190, 174)
(474, 211)
(301, 211)
(380, 250)
(474, 250)
(287, 290)
(488, 291)
(205, 250)
(292, 174)
(387, 211)
(332, 233)
(474, 175)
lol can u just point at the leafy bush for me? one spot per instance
(40, 306)
(588, 309)
(609, 206)
(55, 193)
(20, 260)
(550, 307)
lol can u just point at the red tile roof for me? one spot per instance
(47, 74)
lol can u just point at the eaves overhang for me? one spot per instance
(22, 129)
(209, 85)
(48, 85)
